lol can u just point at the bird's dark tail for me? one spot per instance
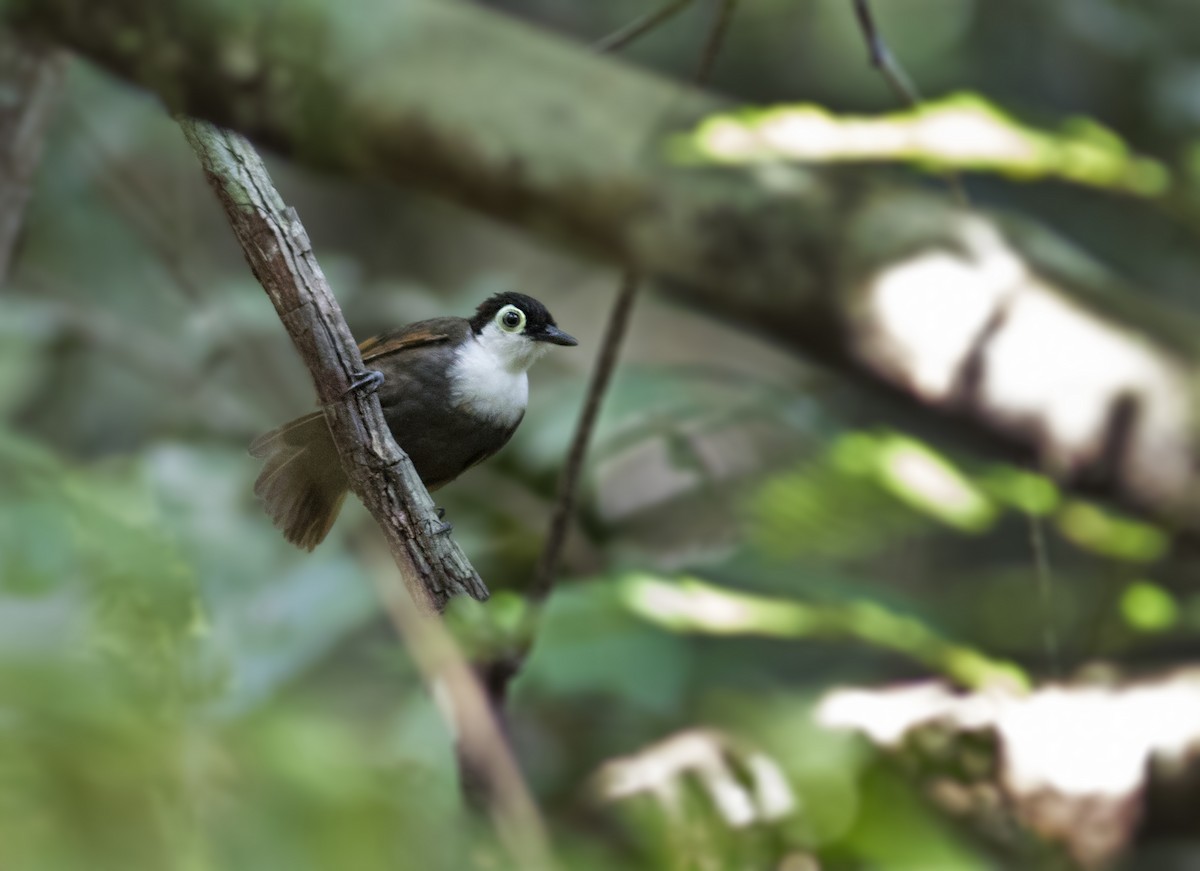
(302, 484)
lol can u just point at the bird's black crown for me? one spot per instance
(537, 317)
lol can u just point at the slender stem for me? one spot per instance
(610, 346)
(568, 482)
(639, 27)
(714, 41)
(1045, 588)
(902, 86)
(546, 573)
(882, 58)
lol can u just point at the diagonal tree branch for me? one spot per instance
(432, 567)
(281, 257)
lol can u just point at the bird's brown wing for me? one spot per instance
(430, 332)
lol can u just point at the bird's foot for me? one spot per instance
(367, 381)
(435, 527)
(438, 528)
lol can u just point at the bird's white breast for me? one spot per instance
(482, 382)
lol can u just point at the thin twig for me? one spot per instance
(568, 482)
(882, 59)
(902, 86)
(1045, 587)
(610, 346)
(714, 41)
(640, 26)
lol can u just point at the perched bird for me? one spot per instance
(453, 391)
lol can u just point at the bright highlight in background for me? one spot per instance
(963, 131)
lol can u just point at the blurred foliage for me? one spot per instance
(691, 605)
(1148, 607)
(958, 132)
(181, 689)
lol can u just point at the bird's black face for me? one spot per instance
(518, 314)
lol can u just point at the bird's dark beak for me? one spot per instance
(554, 336)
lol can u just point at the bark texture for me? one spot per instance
(381, 475)
(992, 323)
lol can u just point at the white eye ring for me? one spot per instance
(510, 319)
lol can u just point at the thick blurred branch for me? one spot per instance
(30, 75)
(281, 257)
(966, 316)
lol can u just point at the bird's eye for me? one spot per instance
(511, 319)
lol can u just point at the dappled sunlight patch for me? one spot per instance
(959, 132)
(875, 488)
(871, 488)
(1032, 494)
(1148, 607)
(921, 317)
(830, 506)
(691, 605)
(707, 798)
(744, 785)
(930, 484)
(974, 330)
(1092, 528)
(1074, 760)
